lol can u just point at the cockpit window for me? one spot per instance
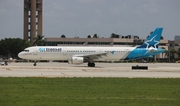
(26, 50)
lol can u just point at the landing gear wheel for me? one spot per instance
(91, 64)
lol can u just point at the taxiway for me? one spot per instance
(54, 69)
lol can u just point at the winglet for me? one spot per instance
(153, 40)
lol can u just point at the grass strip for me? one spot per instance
(89, 91)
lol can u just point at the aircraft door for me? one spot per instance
(35, 52)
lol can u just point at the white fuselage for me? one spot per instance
(65, 53)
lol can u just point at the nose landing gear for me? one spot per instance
(35, 63)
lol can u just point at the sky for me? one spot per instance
(80, 18)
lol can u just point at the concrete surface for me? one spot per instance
(54, 69)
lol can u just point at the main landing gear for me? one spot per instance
(91, 64)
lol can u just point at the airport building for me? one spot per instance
(174, 45)
(131, 42)
(32, 19)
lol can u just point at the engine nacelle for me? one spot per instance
(76, 60)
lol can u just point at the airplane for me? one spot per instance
(78, 55)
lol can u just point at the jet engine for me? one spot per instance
(76, 60)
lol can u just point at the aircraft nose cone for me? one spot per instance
(20, 55)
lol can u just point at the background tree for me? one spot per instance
(95, 36)
(116, 36)
(10, 47)
(63, 36)
(39, 41)
(168, 54)
(113, 35)
(89, 36)
(172, 53)
(178, 53)
(4, 47)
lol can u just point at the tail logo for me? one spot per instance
(149, 43)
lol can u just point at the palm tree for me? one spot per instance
(178, 53)
(39, 41)
(167, 55)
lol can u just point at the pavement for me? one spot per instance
(55, 69)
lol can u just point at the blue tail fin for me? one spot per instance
(153, 40)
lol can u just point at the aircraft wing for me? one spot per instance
(92, 56)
